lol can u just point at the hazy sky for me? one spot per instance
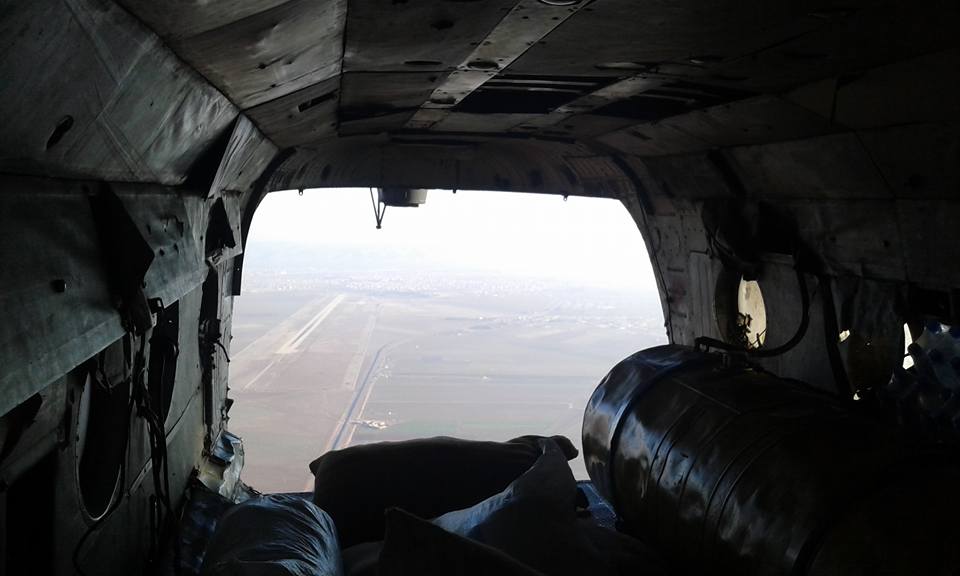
(593, 240)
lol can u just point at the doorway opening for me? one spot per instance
(480, 315)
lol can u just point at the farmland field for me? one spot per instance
(322, 362)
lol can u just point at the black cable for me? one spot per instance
(727, 254)
(159, 465)
(140, 398)
(121, 481)
(219, 343)
(706, 342)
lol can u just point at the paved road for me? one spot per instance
(299, 386)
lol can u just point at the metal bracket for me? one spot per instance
(526, 24)
(379, 208)
(620, 90)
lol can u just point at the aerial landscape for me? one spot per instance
(333, 348)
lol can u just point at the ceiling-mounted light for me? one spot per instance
(398, 197)
(560, 2)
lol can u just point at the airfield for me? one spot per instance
(324, 363)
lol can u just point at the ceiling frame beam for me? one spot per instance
(527, 23)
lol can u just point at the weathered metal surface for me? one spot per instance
(302, 117)
(917, 160)
(172, 225)
(109, 100)
(811, 110)
(845, 39)
(750, 121)
(384, 35)
(49, 235)
(188, 362)
(761, 119)
(373, 94)
(177, 21)
(523, 26)
(687, 177)
(846, 173)
(479, 123)
(770, 48)
(736, 471)
(648, 34)
(579, 126)
(426, 118)
(247, 155)
(878, 99)
(655, 139)
(610, 93)
(272, 53)
(380, 124)
(36, 432)
(926, 226)
(56, 295)
(502, 164)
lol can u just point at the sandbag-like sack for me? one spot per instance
(426, 477)
(535, 521)
(361, 559)
(275, 535)
(415, 547)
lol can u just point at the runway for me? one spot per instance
(296, 385)
(321, 371)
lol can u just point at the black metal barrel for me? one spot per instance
(731, 470)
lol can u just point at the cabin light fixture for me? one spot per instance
(398, 197)
(560, 2)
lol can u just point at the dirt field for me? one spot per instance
(321, 364)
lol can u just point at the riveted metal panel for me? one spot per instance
(302, 117)
(272, 53)
(175, 21)
(109, 100)
(385, 35)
